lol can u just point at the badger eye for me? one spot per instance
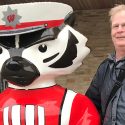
(43, 48)
(1, 50)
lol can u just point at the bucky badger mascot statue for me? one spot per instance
(36, 46)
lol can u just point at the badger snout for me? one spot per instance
(19, 71)
(14, 65)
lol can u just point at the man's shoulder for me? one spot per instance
(104, 63)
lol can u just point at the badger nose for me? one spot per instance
(14, 66)
(19, 71)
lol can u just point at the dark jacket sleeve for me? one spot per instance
(94, 90)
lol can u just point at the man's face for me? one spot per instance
(118, 29)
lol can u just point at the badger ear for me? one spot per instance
(70, 19)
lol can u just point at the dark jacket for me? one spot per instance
(100, 89)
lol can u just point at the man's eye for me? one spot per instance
(123, 25)
(115, 26)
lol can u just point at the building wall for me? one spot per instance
(94, 24)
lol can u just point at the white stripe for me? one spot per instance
(16, 115)
(17, 41)
(66, 109)
(29, 115)
(41, 116)
(5, 116)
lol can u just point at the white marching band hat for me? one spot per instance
(29, 17)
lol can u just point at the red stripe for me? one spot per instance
(22, 115)
(10, 115)
(50, 23)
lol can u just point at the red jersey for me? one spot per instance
(53, 105)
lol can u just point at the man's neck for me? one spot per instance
(120, 54)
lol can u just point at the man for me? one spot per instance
(107, 89)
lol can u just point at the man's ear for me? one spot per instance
(70, 19)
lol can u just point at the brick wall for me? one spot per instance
(94, 24)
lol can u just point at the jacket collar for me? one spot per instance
(119, 64)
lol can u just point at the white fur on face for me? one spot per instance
(57, 46)
(53, 47)
(17, 41)
(3, 56)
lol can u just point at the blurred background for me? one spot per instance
(92, 20)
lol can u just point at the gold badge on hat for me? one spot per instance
(11, 17)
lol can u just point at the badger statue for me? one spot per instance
(37, 44)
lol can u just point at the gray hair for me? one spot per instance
(115, 10)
